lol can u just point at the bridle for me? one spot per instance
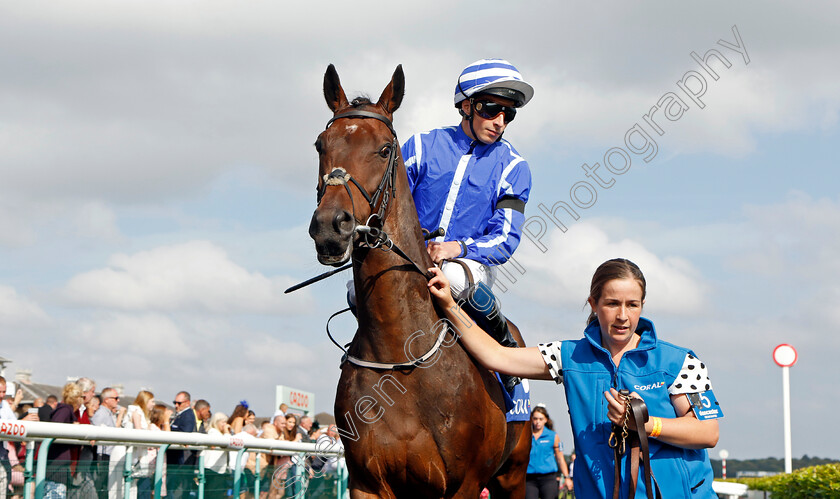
(386, 188)
(372, 234)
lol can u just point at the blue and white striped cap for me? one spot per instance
(497, 76)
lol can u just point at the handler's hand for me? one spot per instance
(441, 251)
(616, 405)
(439, 287)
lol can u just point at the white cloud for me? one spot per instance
(14, 231)
(25, 221)
(153, 102)
(797, 237)
(563, 274)
(192, 276)
(268, 351)
(97, 220)
(18, 311)
(146, 334)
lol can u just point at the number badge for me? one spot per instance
(705, 405)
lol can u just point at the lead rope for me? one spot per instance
(618, 440)
(639, 450)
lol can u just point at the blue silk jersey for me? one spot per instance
(457, 184)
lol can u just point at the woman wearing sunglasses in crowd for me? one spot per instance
(469, 181)
(619, 350)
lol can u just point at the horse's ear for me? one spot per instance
(333, 92)
(392, 96)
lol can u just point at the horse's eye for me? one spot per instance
(385, 152)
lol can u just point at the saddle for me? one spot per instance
(632, 434)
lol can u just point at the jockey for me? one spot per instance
(474, 184)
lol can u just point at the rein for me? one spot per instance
(632, 431)
(388, 366)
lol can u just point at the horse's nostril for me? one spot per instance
(343, 223)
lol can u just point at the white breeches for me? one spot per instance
(458, 280)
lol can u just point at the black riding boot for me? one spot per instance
(483, 308)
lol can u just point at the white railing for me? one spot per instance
(49, 433)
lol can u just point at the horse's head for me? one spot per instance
(357, 156)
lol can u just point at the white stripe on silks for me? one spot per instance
(503, 183)
(418, 149)
(505, 231)
(449, 206)
(484, 73)
(486, 61)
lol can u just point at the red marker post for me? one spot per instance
(785, 356)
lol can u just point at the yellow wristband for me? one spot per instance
(657, 427)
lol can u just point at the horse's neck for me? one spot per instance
(393, 300)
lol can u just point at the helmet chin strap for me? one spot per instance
(470, 120)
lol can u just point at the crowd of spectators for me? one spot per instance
(97, 470)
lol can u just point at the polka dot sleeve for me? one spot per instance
(692, 378)
(551, 355)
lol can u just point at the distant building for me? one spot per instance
(32, 391)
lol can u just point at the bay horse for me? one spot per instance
(413, 425)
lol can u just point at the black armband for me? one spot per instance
(512, 203)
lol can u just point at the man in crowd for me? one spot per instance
(202, 415)
(279, 421)
(110, 414)
(327, 442)
(304, 428)
(181, 463)
(45, 411)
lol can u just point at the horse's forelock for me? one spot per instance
(361, 101)
(364, 103)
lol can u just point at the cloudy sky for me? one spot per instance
(157, 178)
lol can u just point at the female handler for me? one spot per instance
(619, 350)
(541, 480)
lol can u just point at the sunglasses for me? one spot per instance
(489, 110)
(179, 403)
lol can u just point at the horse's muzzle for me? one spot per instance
(332, 231)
